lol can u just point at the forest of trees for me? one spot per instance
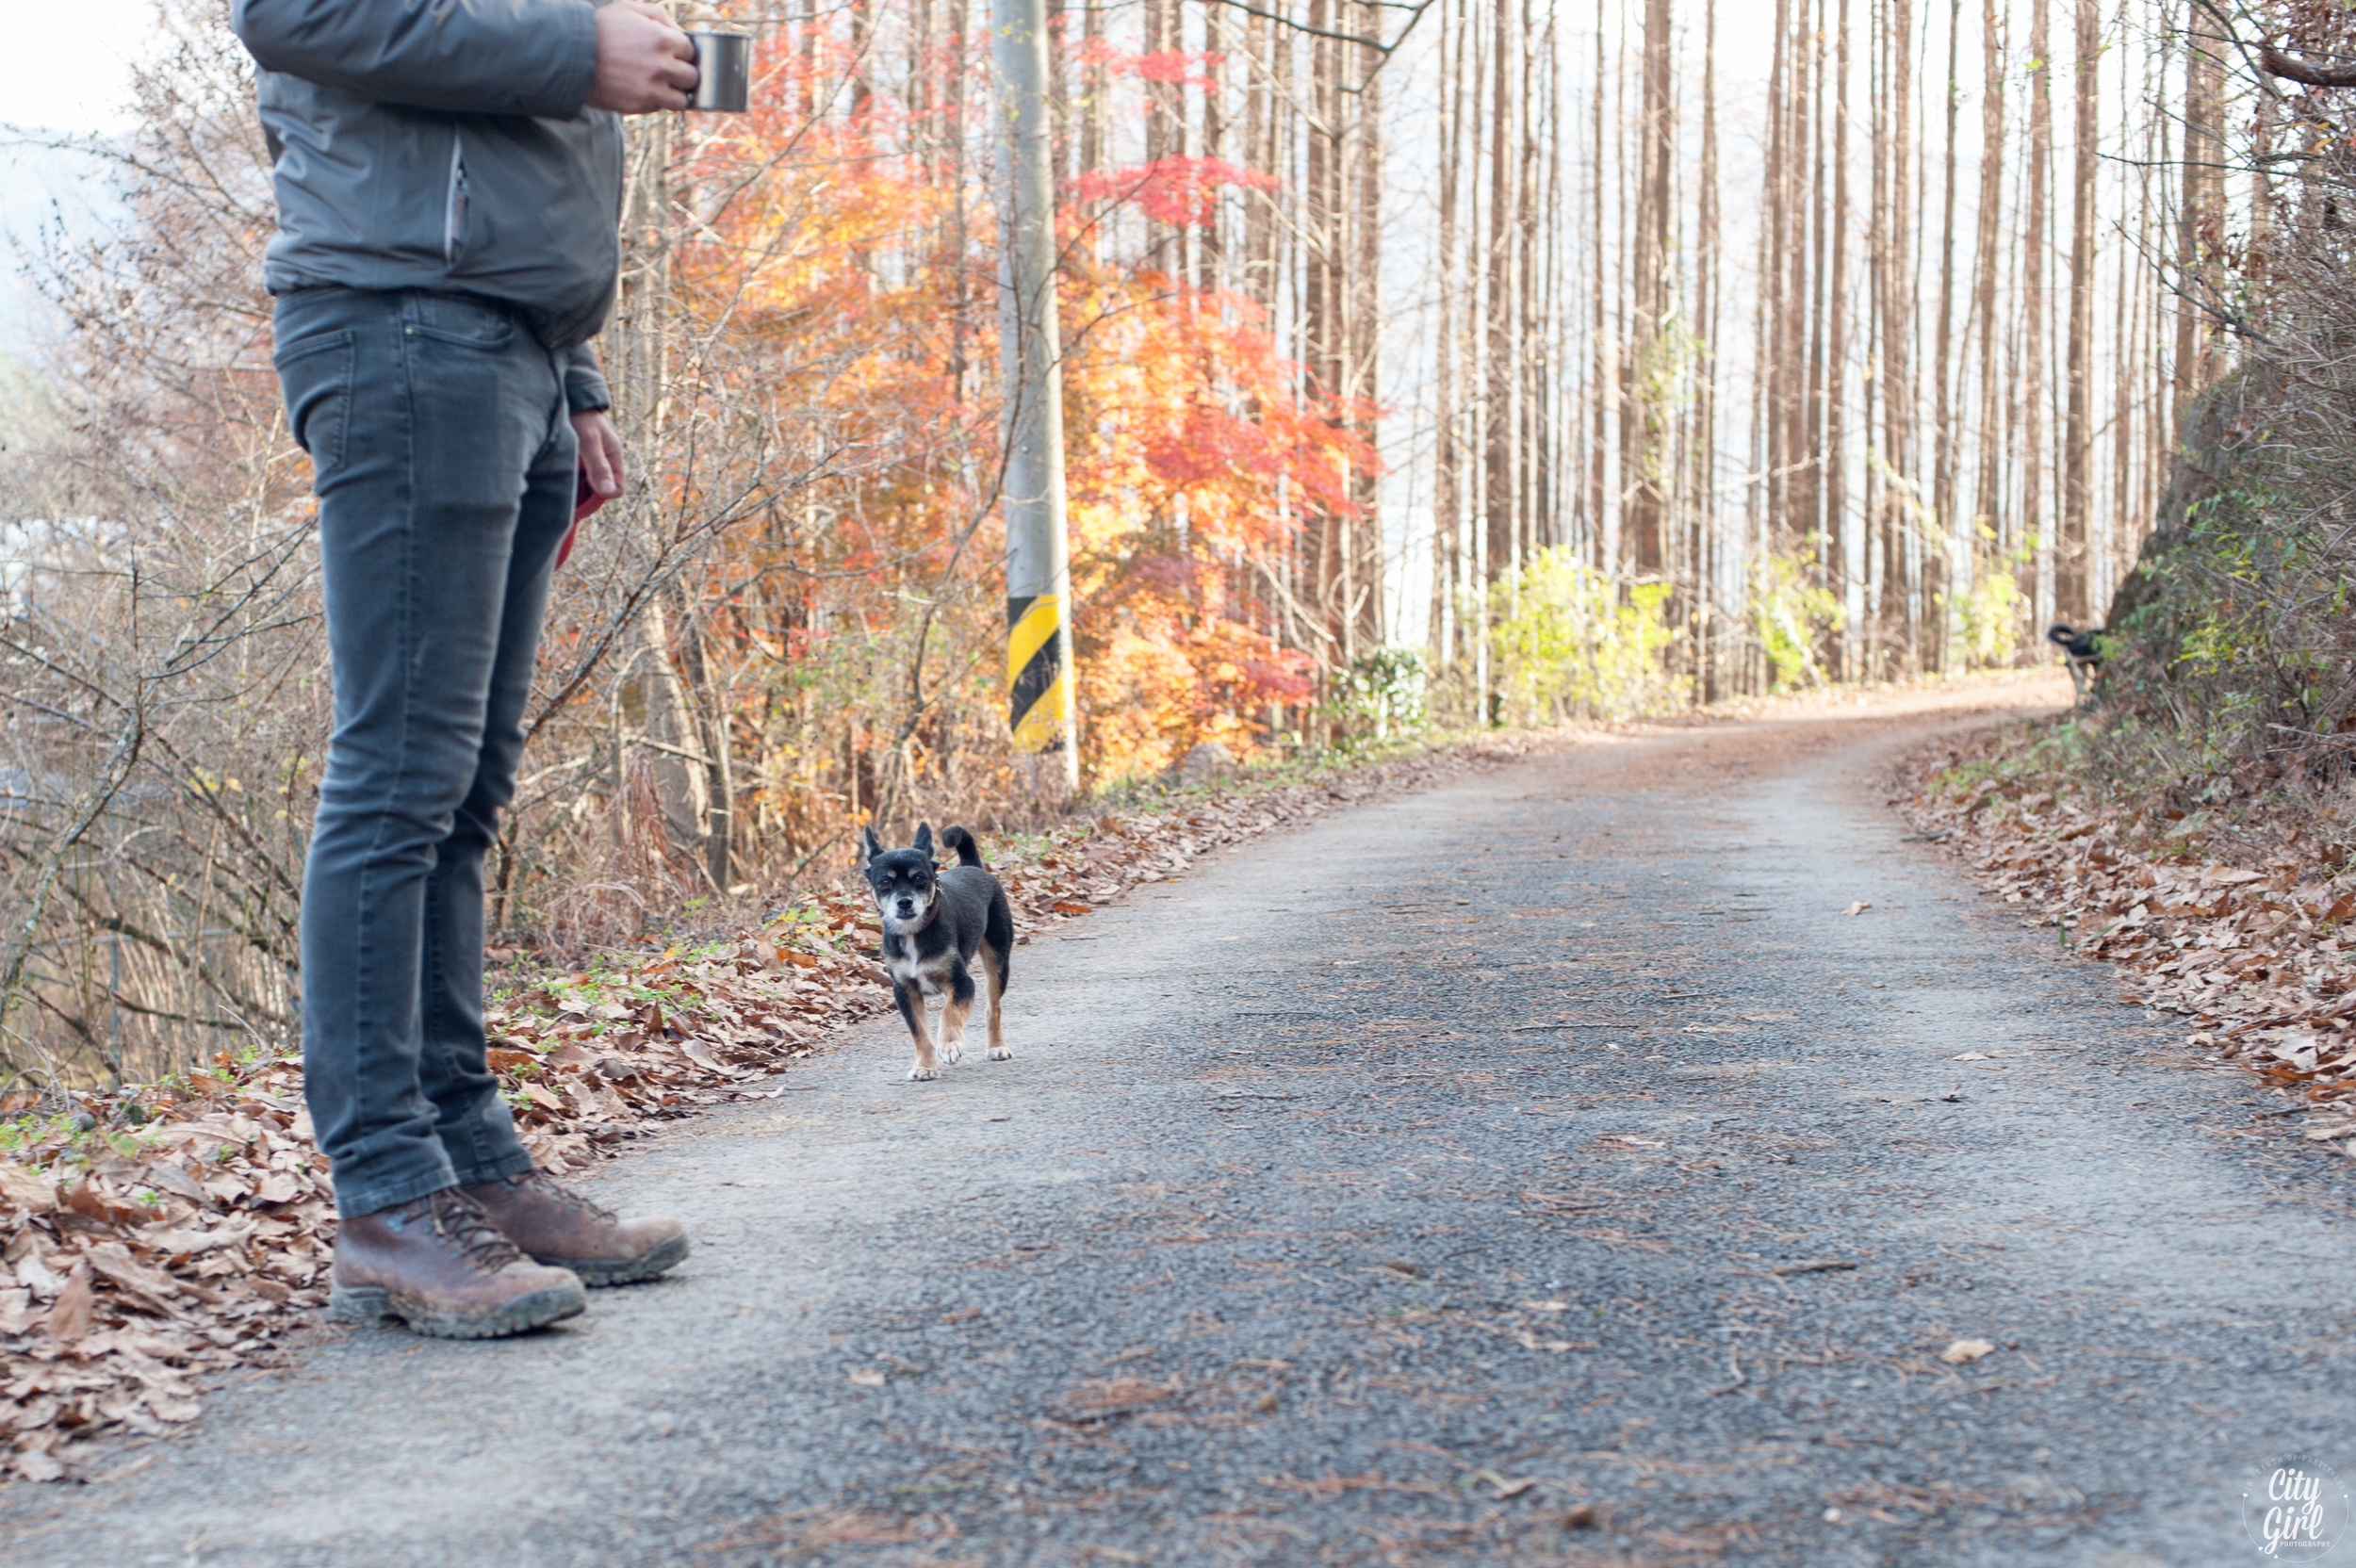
(1460, 361)
(1858, 327)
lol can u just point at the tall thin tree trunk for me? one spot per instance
(1810, 524)
(1446, 520)
(1775, 274)
(1837, 563)
(1321, 312)
(954, 110)
(1987, 507)
(1606, 374)
(1502, 361)
(862, 43)
(1944, 529)
(1158, 20)
(2032, 455)
(2201, 220)
(1709, 686)
(2132, 398)
(1529, 310)
(1093, 82)
(1876, 379)
(1210, 256)
(1260, 142)
(1551, 500)
(638, 361)
(1641, 422)
(1366, 335)
(1800, 161)
(2070, 558)
(1898, 328)
(806, 40)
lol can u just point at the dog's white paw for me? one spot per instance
(921, 1073)
(953, 1051)
(1002, 1053)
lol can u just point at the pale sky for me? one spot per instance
(88, 47)
(86, 88)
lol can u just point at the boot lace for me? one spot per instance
(550, 1188)
(460, 1221)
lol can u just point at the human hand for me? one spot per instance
(601, 446)
(645, 63)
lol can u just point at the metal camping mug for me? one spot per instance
(724, 66)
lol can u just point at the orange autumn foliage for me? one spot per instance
(858, 289)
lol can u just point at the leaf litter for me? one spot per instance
(2261, 957)
(156, 1235)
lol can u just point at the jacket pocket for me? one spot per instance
(315, 375)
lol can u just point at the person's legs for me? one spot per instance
(445, 463)
(471, 1118)
(425, 416)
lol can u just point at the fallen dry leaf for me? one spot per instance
(70, 1314)
(25, 1189)
(1500, 1488)
(35, 1465)
(868, 1378)
(1857, 909)
(1964, 1351)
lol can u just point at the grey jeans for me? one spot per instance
(443, 463)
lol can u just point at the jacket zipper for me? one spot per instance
(454, 209)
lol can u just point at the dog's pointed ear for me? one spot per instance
(925, 839)
(874, 845)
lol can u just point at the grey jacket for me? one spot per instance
(444, 144)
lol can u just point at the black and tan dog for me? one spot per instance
(936, 923)
(2084, 650)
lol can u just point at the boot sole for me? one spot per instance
(373, 1307)
(597, 1272)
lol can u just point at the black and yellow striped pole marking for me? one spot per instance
(1038, 672)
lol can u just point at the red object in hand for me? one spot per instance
(585, 502)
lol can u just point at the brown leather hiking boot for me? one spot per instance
(438, 1265)
(557, 1225)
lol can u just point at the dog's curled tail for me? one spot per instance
(969, 853)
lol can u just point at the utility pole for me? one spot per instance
(1038, 568)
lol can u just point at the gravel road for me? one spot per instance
(1543, 1168)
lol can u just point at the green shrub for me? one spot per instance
(1792, 620)
(1570, 644)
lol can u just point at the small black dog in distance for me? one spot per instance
(2083, 652)
(935, 925)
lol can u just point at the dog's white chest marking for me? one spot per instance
(930, 976)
